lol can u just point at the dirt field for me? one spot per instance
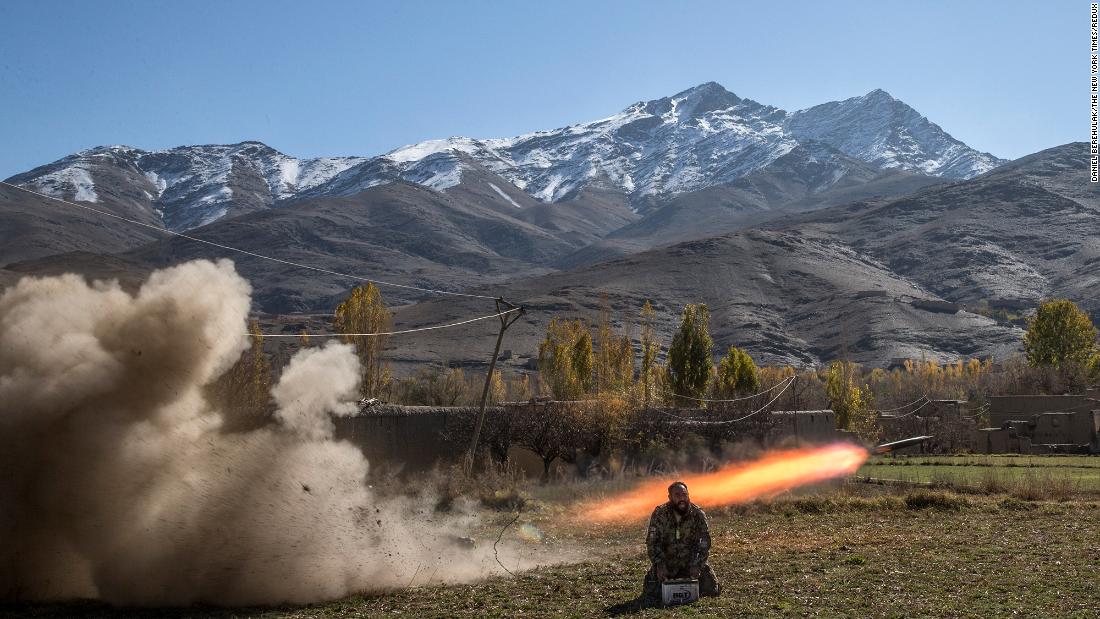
(853, 550)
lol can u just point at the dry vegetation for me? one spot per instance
(853, 550)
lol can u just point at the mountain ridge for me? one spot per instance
(856, 278)
(701, 137)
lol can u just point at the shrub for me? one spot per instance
(934, 499)
(1044, 488)
(992, 482)
(1015, 504)
(737, 374)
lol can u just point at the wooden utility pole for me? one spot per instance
(506, 321)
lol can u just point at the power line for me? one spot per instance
(741, 399)
(890, 410)
(926, 403)
(981, 410)
(246, 252)
(453, 324)
(729, 421)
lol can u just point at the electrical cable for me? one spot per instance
(729, 421)
(741, 399)
(453, 324)
(926, 403)
(981, 411)
(890, 410)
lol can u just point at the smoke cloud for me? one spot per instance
(117, 481)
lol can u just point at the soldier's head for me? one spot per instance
(678, 496)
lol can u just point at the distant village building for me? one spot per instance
(818, 426)
(1041, 424)
(1022, 407)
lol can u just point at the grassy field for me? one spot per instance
(1055, 477)
(852, 550)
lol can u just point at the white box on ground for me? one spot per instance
(683, 591)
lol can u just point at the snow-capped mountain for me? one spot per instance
(698, 138)
(702, 137)
(883, 131)
(188, 186)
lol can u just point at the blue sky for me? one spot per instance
(362, 78)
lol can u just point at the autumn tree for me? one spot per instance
(364, 312)
(582, 361)
(498, 388)
(650, 349)
(614, 356)
(244, 391)
(1059, 334)
(689, 354)
(850, 402)
(565, 359)
(519, 389)
(737, 374)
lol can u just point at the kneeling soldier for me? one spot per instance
(679, 544)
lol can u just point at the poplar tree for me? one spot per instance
(689, 354)
(244, 391)
(614, 356)
(362, 312)
(650, 349)
(582, 360)
(565, 359)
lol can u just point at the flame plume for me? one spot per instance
(767, 476)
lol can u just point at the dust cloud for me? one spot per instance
(118, 483)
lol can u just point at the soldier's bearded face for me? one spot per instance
(679, 498)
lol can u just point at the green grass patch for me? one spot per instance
(1056, 478)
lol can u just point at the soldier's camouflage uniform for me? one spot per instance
(679, 543)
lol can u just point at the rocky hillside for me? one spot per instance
(871, 280)
(186, 187)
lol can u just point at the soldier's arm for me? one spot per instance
(653, 543)
(702, 545)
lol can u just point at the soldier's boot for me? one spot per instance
(708, 582)
(651, 589)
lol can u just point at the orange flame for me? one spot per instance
(770, 475)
